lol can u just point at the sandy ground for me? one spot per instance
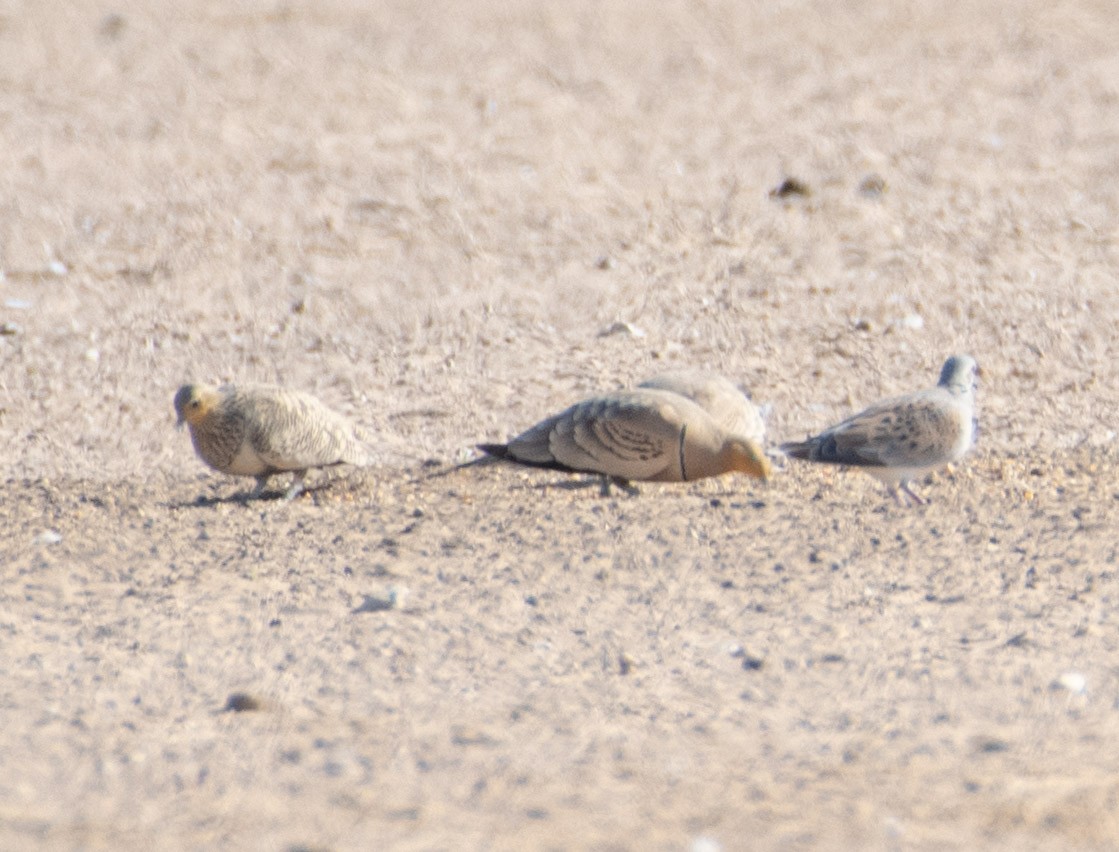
(432, 215)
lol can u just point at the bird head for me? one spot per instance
(748, 457)
(959, 373)
(194, 402)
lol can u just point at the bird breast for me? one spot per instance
(220, 441)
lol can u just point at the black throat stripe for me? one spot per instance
(683, 467)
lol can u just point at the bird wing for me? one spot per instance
(291, 430)
(915, 431)
(631, 435)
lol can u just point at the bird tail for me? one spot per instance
(493, 453)
(798, 449)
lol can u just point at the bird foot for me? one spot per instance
(296, 486)
(617, 481)
(906, 496)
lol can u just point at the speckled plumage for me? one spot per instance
(899, 439)
(643, 434)
(261, 430)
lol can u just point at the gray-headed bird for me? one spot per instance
(899, 439)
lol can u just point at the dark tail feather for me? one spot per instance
(797, 449)
(493, 453)
(502, 451)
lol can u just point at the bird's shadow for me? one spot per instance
(245, 498)
(606, 487)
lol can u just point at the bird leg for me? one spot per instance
(909, 494)
(296, 486)
(619, 482)
(258, 489)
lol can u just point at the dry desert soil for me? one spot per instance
(450, 219)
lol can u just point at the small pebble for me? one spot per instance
(111, 26)
(240, 702)
(872, 186)
(622, 328)
(910, 322)
(705, 844)
(372, 603)
(749, 662)
(1074, 682)
(789, 188)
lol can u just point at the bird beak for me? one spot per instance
(755, 462)
(765, 469)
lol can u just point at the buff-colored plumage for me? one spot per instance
(261, 430)
(900, 439)
(643, 434)
(728, 406)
